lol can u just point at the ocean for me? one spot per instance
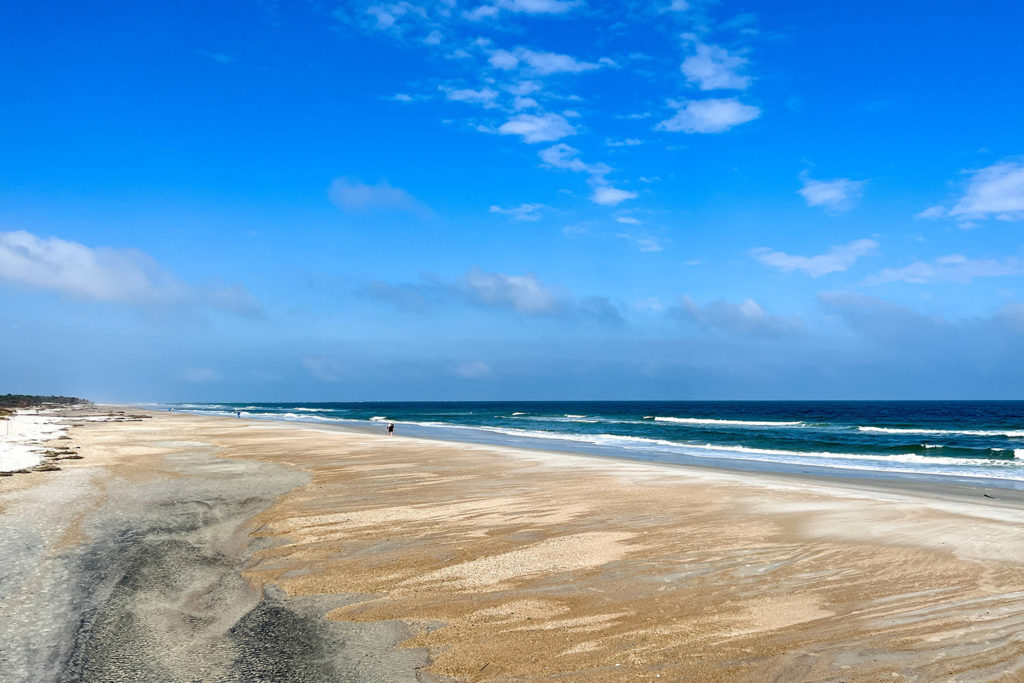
(973, 442)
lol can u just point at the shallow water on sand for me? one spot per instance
(980, 441)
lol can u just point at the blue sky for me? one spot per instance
(512, 199)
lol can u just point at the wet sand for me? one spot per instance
(366, 557)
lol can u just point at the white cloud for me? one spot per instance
(606, 195)
(106, 274)
(351, 195)
(952, 268)
(433, 38)
(541, 63)
(624, 142)
(628, 220)
(476, 369)
(678, 6)
(932, 212)
(566, 157)
(837, 259)
(562, 156)
(523, 212)
(505, 60)
(524, 293)
(747, 318)
(521, 7)
(713, 68)
(709, 116)
(484, 96)
(524, 87)
(386, 15)
(996, 191)
(835, 195)
(533, 128)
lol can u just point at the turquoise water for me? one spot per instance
(980, 441)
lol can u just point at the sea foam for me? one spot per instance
(1012, 433)
(730, 423)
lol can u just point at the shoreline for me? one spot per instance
(444, 560)
(468, 434)
(934, 488)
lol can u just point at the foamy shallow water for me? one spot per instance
(980, 442)
(22, 436)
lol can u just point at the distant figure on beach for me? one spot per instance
(238, 413)
(391, 428)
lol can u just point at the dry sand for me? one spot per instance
(515, 565)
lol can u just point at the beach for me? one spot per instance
(183, 547)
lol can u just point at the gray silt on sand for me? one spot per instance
(155, 593)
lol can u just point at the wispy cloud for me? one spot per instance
(973, 339)
(839, 194)
(522, 293)
(606, 195)
(714, 68)
(409, 297)
(643, 241)
(567, 157)
(709, 116)
(746, 318)
(484, 96)
(386, 15)
(107, 274)
(996, 191)
(523, 212)
(538, 128)
(542, 63)
(952, 268)
(836, 259)
(348, 194)
(491, 9)
(876, 318)
(932, 212)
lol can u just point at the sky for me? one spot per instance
(511, 199)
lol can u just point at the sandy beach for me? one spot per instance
(197, 548)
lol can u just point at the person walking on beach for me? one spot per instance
(391, 428)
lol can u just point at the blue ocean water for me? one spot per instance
(978, 442)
